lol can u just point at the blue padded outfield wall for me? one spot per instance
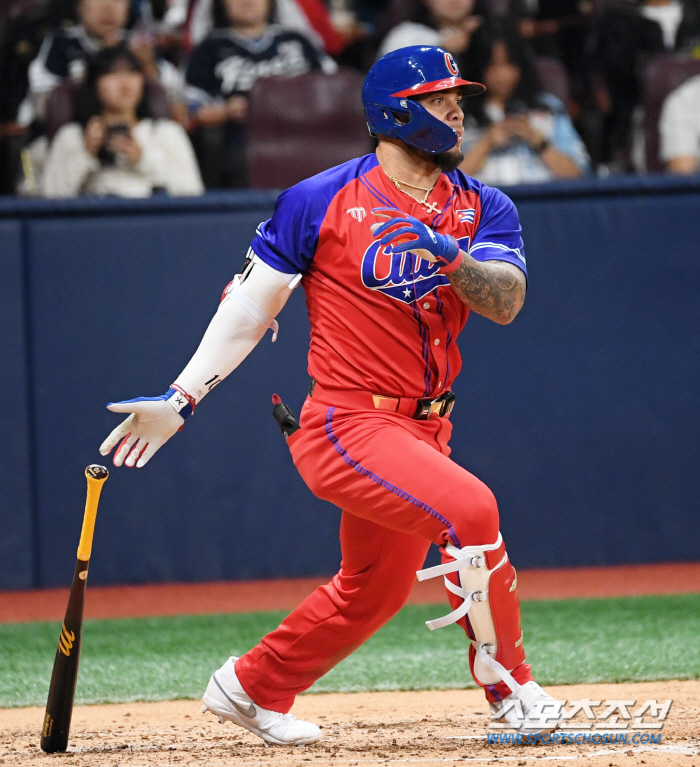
(583, 415)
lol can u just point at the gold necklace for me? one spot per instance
(431, 207)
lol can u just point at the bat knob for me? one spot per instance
(95, 471)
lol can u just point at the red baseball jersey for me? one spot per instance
(382, 322)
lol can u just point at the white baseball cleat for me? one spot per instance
(226, 698)
(529, 709)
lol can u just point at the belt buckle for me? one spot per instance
(448, 403)
(435, 408)
(423, 407)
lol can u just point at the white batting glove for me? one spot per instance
(152, 422)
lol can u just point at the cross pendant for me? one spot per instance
(432, 207)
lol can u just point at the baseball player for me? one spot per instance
(393, 250)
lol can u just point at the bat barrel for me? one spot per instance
(59, 707)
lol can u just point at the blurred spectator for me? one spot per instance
(558, 28)
(453, 25)
(115, 149)
(309, 17)
(65, 53)
(562, 29)
(625, 42)
(244, 47)
(22, 32)
(679, 22)
(680, 128)
(514, 133)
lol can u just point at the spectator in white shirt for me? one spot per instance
(115, 149)
(680, 128)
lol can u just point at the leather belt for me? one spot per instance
(357, 399)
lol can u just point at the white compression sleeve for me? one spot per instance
(235, 330)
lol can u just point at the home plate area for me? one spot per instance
(431, 727)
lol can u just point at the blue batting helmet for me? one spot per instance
(397, 77)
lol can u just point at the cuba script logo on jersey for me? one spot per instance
(402, 276)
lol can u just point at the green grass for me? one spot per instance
(569, 641)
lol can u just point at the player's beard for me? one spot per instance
(446, 161)
(449, 160)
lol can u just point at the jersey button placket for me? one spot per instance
(436, 328)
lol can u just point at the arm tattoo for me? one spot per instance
(495, 289)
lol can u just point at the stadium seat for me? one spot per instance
(60, 105)
(662, 76)
(553, 77)
(300, 126)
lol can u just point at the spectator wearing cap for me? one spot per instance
(244, 47)
(680, 128)
(114, 148)
(513, 132)
(66, 53)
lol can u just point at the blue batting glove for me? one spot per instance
(443, 247)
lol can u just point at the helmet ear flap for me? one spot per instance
(425, 131)
(415, 125)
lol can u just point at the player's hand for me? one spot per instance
(151, 423)
(407, 233)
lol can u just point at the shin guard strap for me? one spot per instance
(495, 666)
(455, 615)
(459, 556)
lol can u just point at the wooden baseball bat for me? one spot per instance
(59, 707)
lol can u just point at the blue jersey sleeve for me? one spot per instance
(288, 241)
(499, 235)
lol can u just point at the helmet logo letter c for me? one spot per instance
(451, 65)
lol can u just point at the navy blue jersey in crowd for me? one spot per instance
(228, 64)
(63, 54)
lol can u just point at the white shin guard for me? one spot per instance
(474, 578)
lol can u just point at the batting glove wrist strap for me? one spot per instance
(443, 247)
(180, 400)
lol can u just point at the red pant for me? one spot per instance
(399, 492)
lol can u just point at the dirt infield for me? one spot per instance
(446, 728)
